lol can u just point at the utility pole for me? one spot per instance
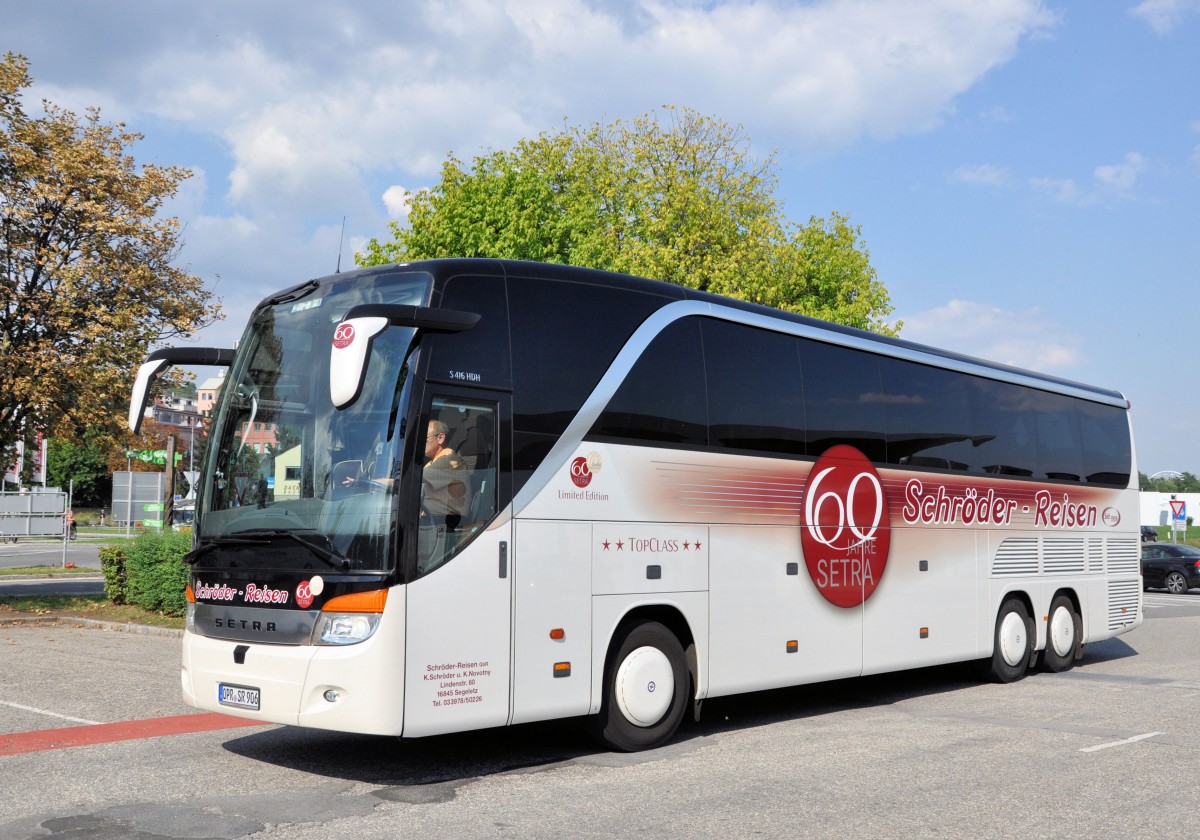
(169, 494)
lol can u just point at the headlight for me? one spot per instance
(345, 628)
(190, 618)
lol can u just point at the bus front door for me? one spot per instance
(459, 607)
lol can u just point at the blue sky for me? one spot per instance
(1025, 173)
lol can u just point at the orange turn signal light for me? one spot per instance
(358, 602)
(558, 634)
(562, 669)
(793, 645)
(189, 594)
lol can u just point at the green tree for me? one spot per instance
(85, 462)
(86, 276)
(674, 195)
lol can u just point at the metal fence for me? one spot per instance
(138, 498)
(36, 514)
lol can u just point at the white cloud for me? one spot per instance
(311, 106)
(1165, 15)
(1121, 177)
(1025, 339)
(1109, 182)
(985, 174)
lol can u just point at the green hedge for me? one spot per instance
(155, 576)
(112, 564)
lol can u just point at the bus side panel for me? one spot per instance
(925, 616)
(608, 610)
(759, 604)
(552, 577)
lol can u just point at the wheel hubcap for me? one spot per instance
(645, 686)
(1062, 631)
(1175, 584)
(1013, 639)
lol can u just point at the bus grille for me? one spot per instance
(1122, 603)
(1062, 556)
(1124, 556)
(1027, 556)
(1016, 557)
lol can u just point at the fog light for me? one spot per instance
(332, 696)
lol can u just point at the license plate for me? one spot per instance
(243, 697)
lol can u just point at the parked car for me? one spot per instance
(1149, 533)
(1175, 567)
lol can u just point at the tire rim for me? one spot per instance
(1013, 639)
(645, 686)
(1062, 631)
(1175, 584)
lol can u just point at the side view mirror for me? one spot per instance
(353, 336)
(160, 360)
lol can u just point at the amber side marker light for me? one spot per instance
(558, 634)
(562, 669)
(793, 646)
(358, 602)
(189, 594)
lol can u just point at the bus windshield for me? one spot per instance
(285, 467)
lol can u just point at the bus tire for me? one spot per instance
(646, 686)
(1013, 642)
(1063, 627)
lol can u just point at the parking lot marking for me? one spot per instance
(1132, 740)
(51, 714)
(18, 743)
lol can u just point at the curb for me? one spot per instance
(54, 576)
(94, 624)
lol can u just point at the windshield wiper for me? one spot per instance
(334, 559)
(208, 545)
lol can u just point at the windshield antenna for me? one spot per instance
(340, 237)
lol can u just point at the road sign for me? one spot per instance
(1178, 510)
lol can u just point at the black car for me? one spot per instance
(1176, 567)
(1149, 533)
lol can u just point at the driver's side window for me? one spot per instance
(458, 481)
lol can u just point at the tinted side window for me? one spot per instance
(564, 337)
(1002, 422)
(755, 399)
(843, 401)
(928, 416)
(478, 356)
(1104, 430)
(662, 400)
(1058, 437)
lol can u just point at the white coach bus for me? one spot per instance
(504, 492)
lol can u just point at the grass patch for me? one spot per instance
(48, 570)
(84, 606)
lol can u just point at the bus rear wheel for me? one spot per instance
(1013, 642)
(645, 689)
(1063, 633)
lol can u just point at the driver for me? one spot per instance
(444, 489)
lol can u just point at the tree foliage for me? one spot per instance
(86, 276)
(1186, 482)
(82, 464)
(674, 195)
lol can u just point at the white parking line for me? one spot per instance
(1132, 740)
(51, 714)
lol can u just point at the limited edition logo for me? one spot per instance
(846, 532)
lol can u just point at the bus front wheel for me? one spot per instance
(645, 689)
(1013, 642)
